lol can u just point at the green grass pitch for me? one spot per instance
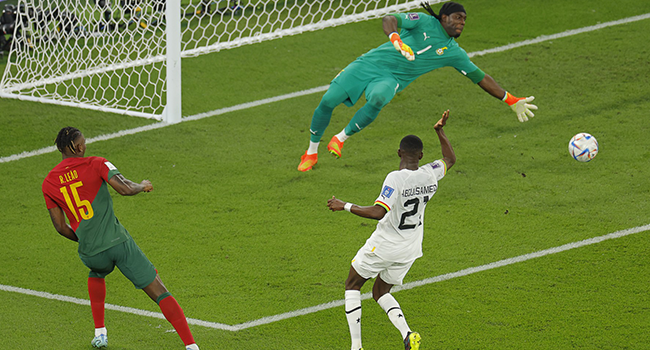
(238, 234)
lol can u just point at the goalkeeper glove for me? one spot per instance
(404, 49)
(520, 105)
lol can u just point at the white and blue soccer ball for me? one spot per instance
(583, 147)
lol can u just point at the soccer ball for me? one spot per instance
(583, 147)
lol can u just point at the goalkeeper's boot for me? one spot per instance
(412, 341)
(335, 146)
(100, 341)
(307, 161)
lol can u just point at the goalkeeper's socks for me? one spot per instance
(313, 147)
(394, 312)
(174, 314)
(353, 314)
(97, 296)
(342, 136)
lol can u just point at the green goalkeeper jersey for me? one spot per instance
(433, 49)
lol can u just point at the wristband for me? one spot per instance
(510, 99)
(347, 206)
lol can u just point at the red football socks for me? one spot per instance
(97, 294)
(174, 314)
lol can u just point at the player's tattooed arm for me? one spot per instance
(126, 187)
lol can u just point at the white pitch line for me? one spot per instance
(257, 103)
(339, 303)
(128, 310)
(565, 34)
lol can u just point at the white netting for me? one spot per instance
(110, 55)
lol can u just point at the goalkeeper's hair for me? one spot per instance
(65, 139)
(428, 8)
(446, 9)
(411, 144)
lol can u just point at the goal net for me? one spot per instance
(123, 56)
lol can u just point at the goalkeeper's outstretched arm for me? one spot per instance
(520, 105)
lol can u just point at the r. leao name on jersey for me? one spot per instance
(415, 191)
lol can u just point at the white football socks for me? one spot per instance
(313, 147)
(394, 312)
(342, 136)
(99, 331)
(353, 314)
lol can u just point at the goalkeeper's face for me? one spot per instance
(454, 23)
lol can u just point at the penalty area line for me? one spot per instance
(339, 303)
(257, 103)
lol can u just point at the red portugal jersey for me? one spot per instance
(79, 187)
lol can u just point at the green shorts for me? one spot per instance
(128, 257)
(358, 77)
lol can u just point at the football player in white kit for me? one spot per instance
(397, 241)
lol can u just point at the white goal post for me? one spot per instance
(124, 56)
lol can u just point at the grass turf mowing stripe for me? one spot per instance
(338, 303)
(247, 105)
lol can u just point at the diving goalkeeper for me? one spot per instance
(425, 43)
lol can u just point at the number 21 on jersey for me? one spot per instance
(415, 202)
(78, 206)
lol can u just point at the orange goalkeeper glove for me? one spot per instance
(520, 105)
(404, 49)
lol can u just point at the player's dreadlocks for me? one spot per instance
(446, 9)
(65, 139)
(427, 7)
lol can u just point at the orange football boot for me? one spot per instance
(335, 147)
(307, 161)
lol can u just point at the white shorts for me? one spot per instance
(368, 265)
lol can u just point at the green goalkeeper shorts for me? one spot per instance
(128, 257)
(358, 77)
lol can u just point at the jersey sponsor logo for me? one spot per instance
(414, 16)
(416, 191)
(441, 50)
(110, 165)
(387, 191)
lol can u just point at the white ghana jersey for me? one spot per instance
(404, 194)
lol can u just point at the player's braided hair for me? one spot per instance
(427, 7)
(65, 139)
(446, 9)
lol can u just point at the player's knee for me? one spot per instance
(324, 108)
(377, 101)
(328, 103)
(353, 284)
